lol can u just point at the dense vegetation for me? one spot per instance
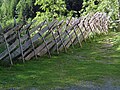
(47, 9)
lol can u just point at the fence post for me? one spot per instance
(20, 44)
(50, 30)
(7, 46)
(68, 32)
(33, 47)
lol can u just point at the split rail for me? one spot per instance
(24, 42)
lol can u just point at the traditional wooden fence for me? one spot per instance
(24, 42)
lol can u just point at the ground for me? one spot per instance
(97, 61)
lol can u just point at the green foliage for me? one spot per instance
(47, 9)
(11, 8)
(111, 7)
(50, 9)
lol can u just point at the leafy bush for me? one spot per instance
(50, 8)
(47, 9)
(111, 7)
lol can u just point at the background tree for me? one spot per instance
(108, 6)
(47, 9)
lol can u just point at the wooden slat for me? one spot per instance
(14, 45)
(42, 33)
(78, 39)
(32, 44)
(51, 30)
(10, 32)
(62, 42)
(81, 31)
(69, 29)
(41, 50)
(53, 37)
(27, 44)
(61, 35)
(66, 41)
(11, 62)
(42, 46)
(20, 44)
(50, 45)
(45, 44)
(13, 30)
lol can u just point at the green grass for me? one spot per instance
(98, 59)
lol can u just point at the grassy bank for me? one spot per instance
(97, 60)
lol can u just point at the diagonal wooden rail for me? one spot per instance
(24, 42)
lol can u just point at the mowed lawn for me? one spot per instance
(97, 60)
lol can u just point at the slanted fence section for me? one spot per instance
(24, 42)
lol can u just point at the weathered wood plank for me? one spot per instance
(71, 28)
(39, 48)
(86, 34)
(62, 35)
(66, 41)
(26, 45)
(20, 44)
(43, 38)
(45, 44)
(71, 33)
(16, 43)
(32, 44)
(42, 46)
(11, 62)
(11, 31)
(53, 37)
(44, 51)
(62, 42)
(77, 37)
(12, 47)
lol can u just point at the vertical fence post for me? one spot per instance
(45, 43)
(48, 51)
(20, 44)
(77, 37)
(33, 47)
(58, 31)
(50, 29)
(7, 46)
(81, 32)
(68, 32)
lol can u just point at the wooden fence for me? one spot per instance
(24, 42)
